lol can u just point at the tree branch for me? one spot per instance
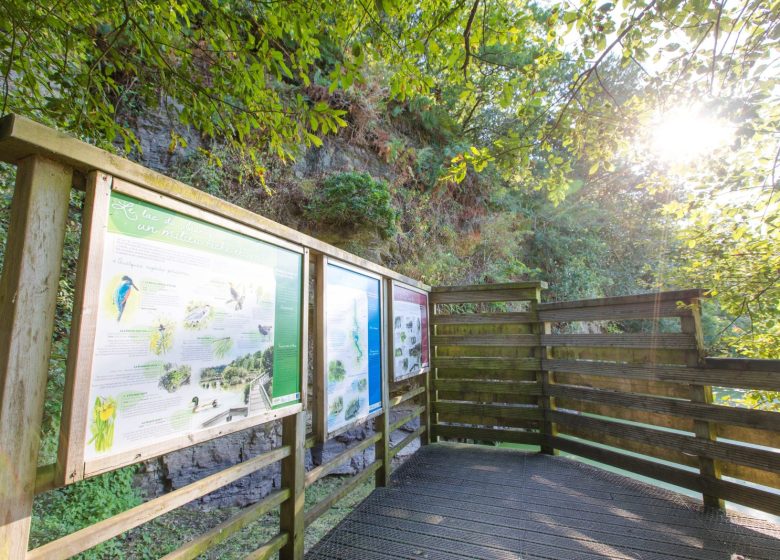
(467, 38)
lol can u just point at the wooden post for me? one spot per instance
(291, 519)
(425, 417)
(545, 378)
(28, 299)
(708, 467)
(382, 422)
(431, 396)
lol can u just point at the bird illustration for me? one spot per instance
(236, 298)
(264, 330)
(122, 294)
(197, 315)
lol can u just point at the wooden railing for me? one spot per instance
(49, 166)
(647, 392)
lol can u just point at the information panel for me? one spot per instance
(411, 354)
(353, 357)
(196, 327)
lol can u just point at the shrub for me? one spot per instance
(354, 200)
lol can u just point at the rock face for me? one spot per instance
(184, 467)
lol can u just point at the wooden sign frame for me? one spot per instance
(322, 433)
(424, 367)
(72, 464)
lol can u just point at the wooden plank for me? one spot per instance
(494, 387)
(291, 520)
(320, 413)
(739, 454)
(305, 312)
(229, 527)
(488, 434)
(484, 296)
(697, 411)
(485, 352)
(488, 421)
(406, 441)
(752, 378)
(28, 298)
(270, 548)
(651, 310)
(405, 419)
(382, 422)
(339, 493)
(44, 478)
(645, 356)
(492, 410)
(425, 417)
(659, 388)
(486, 374)
(93, 535)
(70, 460)
(769, 438)
(505, 364)
(395, 401)
(628, 413)
(672, 295)
(533, 284)
(740, 494)
(487, 340)
(326, 468)
(545, 378)
(21, 137)
(485, 319)
(658, 471)
(484, 329)
(675, 341)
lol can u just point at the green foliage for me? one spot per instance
(61, 512)
(354, 201)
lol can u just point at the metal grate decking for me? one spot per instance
(460, 501)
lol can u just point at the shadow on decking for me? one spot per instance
(460, 501)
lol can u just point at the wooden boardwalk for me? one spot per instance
(460, 501)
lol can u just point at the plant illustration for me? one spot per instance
(102, 428)
(336, 371)
(161, 339)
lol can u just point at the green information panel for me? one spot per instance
(197, 328)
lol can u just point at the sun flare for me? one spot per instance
(683, 135)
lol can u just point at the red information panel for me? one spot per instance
(411, 355)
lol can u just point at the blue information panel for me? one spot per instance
(353, 356)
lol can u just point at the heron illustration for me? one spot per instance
(236, 298)
(122, 294)
(195, 316)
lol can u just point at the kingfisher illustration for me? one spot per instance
(122, 294)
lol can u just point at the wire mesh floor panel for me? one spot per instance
(465, 501)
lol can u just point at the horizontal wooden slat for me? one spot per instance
(506, 364)
(675, 295)
(644, 356)
(739, 378)
(739, 454)
(325, 469)
(492, 410)
(642, 386)
(531, 284)
(93, 535)
(767, 438)
(339, 493)
(270, 548)
(485, 296)
(494, 387)
(487, 340)
(487, 421)
(634, 340)
(737, 493)
(487, 397)
(395, 401)
(621, 312)
(627, 413)
(744, 364)
(486, 352)
(396, 449)
(221, 532)
(485, 319)
(486, 374)
(406, 418)
(487, 434)
(44, 478)
(698, 411)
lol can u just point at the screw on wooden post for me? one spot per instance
(708, 467)
(291, 519)
(28, 298)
